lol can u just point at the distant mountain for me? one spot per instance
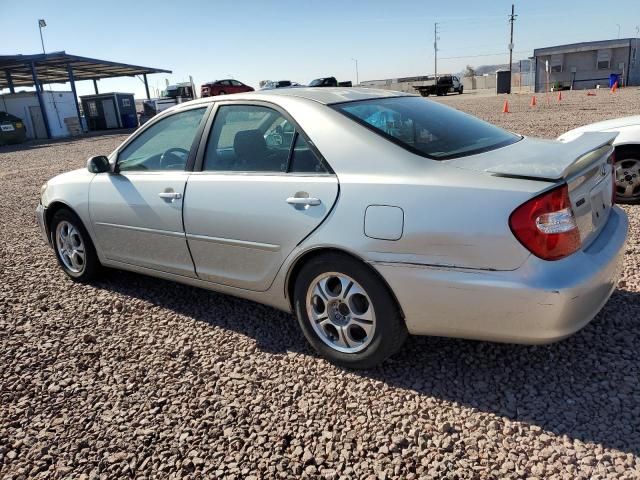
(485, 69)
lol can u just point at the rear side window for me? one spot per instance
(251, 138)
(427, 128)
(303, 160)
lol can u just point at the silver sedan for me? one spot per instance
(370, 214)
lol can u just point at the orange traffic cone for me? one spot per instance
(614, 88)
(533, 102)
(505, 107)
(560, 96)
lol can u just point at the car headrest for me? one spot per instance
(249, 143)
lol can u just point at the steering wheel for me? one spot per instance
(174, 159)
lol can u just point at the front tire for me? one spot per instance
(73, 247)
(346, 312)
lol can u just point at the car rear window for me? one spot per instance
(427, 128)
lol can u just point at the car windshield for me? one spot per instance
(316, 82)
(169, 93)
(427, 128)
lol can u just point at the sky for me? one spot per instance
(301, 40)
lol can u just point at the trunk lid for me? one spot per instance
(582, 163)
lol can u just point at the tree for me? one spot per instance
(469, 71)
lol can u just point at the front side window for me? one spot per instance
(236, 83)
(251, 138)
(427, 128)
(163, 146)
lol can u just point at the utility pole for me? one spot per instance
(357, 76)
(512, 18)
(435, 49)
(636, 54)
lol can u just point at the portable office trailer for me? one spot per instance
(109, 110)
(587, 65)
(59, 107)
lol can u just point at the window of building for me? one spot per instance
(93, 109)
(556, 63)
(604, 59)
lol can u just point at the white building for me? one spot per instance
(60, 109)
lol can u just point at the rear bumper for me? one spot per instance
(41, 212)
(540, 302)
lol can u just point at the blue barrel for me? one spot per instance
(613, 78)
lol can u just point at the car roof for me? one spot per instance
(324, 95)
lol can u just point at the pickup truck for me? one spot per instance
(328, 82)
(440, 86)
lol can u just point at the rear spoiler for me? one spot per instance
(553, 160)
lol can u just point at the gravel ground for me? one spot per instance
(138, 377)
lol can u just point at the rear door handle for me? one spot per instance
(309, 201)
(170, 195)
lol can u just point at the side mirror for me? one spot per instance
(98, 164)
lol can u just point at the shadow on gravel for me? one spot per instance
(274, 331)
(586, 387)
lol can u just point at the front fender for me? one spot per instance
(71, 190)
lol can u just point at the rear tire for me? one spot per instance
(73, 247)
(346, 312)
(627, 170)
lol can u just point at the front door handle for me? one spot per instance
(305, 201)
(170, 195)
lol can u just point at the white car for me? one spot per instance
(627, 153)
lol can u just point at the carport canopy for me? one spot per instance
(61, 67)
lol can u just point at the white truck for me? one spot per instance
(172, 95)
(440, 86)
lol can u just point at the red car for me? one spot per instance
(223, 87)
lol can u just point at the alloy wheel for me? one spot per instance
(70, 247)
(628, 178)
(341, 312)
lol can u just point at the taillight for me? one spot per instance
(612, 161)
(546, 225)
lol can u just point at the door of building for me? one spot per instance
(109, 110)
(37, 120)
